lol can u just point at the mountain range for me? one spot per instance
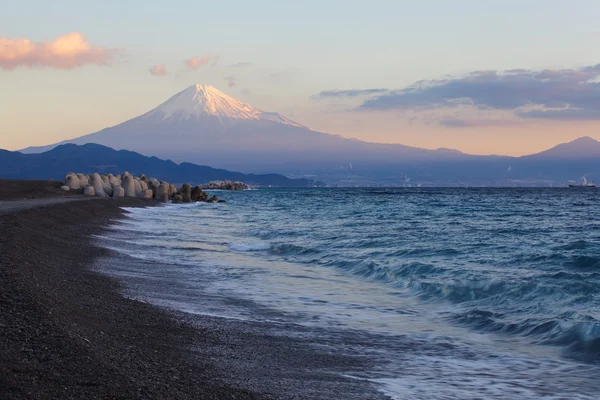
(203, 125)
(88, 158)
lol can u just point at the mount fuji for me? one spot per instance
(202, 124)
(205, 126)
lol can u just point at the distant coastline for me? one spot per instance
(213, 128)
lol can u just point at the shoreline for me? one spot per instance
(67, 330)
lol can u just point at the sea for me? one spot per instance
(471, 293)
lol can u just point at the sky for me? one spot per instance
(482, 76)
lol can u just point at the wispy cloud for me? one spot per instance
(158, 70)
(231, 80)
(196, 62)
(283, 75)
(241, 65)
(572, 114)
(475, 122)
(565, 94)
(66, 52)
(351, 93)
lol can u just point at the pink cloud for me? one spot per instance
(196, 62)
(158, 70)
(66, 52)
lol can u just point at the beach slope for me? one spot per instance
(65, 331)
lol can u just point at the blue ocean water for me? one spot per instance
(491, 288)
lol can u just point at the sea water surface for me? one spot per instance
(478, 293)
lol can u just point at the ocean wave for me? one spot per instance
(365, 269)
(575, 245)
(246, 247)
(293, 250)
(584, 263)
(514, 262)
(415, 251)
(578, 335)
(460, 290)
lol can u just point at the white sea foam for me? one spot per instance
(423, 352)
(502, 377)
(260, 246)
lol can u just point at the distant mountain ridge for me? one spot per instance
(545, 168)
(584, 147)
(88, 158)
(202, 124)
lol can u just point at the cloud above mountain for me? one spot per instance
(564, 94)
(158, 70)
(475, 122)
(351, 93)
(231, 80)
(241, 65)
(65, 52)
(196, 62)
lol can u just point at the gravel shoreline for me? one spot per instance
(67, 332)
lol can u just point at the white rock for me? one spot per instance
(162, 192)
(146, 194)
(98, 185)
(115, 181)
(108, 189)
(65, 188)
(118, 192)
(154, 183)
(129, 186)
(72, 181)
(138, 187)
(84, 180)
(89, 190)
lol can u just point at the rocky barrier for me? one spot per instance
(225, 185)
(127, 185)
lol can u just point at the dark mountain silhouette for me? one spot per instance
(584, 147)
(88, 158)
(567, 162)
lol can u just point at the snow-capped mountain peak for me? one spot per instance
(200, 101)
